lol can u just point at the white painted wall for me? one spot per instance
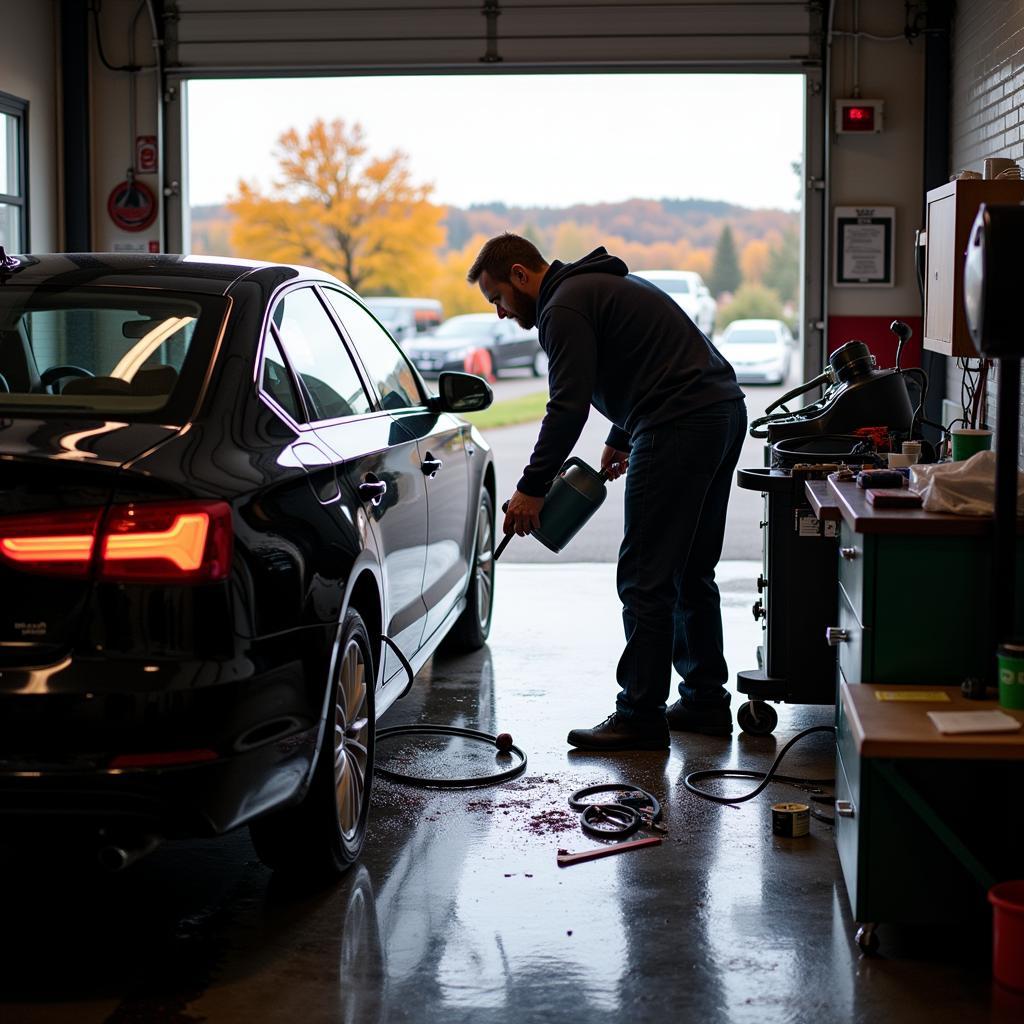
(28, 70)
(884, 169)
(988, 99)
(113, 137)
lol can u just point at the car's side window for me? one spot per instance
(384, 360)
(277, 382)
(318, 356)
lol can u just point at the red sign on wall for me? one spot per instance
(132, 206)
(145, 154)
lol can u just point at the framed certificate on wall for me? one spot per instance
(864, 246)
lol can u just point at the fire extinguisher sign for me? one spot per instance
(132, 206)
(145, 154)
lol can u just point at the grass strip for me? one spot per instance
(524, 409)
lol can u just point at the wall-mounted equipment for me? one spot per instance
(951, 212)
(857, 116)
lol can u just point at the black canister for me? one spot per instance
(574, 497)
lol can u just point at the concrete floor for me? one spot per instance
(458, 911)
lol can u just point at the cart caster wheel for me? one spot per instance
(757, 718)
(867, 939)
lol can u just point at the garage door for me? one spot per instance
(239, 37)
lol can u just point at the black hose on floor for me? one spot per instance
(693, 778)
(450, 730)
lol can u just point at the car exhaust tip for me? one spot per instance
(114, 857)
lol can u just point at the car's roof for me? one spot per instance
(212, 275)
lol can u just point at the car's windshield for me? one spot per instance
(115, 352)
(457, 328)
(751, 336)
(672, 285)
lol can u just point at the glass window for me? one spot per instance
(388, 368)
(276, 381)
(318, 356)
(12, 174)
(102, 349)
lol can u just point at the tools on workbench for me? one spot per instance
(577, 493)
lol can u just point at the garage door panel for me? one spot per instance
(265, 36)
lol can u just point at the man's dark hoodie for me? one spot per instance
(622, 344)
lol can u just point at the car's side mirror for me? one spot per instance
(462, 392)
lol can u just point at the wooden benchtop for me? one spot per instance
(864, 518)
(902, 729)
(822, 500)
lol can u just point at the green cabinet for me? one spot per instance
(916, 609)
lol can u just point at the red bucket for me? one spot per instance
(1007, 899)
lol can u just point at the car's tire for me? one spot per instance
(323, 836)
(473, 626)
(539, 366)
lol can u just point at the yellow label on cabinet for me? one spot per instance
(926, 695)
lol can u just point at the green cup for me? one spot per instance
(1011, 675)
(969, 442)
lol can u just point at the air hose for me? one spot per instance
(633, 808)
(445, 783)
(691, 780)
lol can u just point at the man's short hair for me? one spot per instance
(501, 253)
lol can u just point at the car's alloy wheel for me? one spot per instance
(323, 835)
(474, 624)
(352, 730)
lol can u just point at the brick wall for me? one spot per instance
(988, 104)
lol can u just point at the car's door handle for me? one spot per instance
(373, 491)
(430, 465)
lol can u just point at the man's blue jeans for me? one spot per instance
(677, 491)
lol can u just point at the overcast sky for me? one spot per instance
(545, 140)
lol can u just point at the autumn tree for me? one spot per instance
(337, 207)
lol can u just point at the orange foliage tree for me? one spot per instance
(336, 207)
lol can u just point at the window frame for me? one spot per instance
(305, 400)
(17, 108)
(353, 349)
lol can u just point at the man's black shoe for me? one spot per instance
(710, 721)
(617, 733)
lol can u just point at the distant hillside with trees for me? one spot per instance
(364, 218)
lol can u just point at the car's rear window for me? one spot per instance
(752, 336)
(672, 285)
(130, 353)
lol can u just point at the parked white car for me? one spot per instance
(687, 287)
(404, 318)
(759, 350)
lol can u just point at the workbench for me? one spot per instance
(914, 591)
(925, 822)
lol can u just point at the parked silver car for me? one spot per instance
(760, 350)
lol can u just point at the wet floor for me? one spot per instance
(458, 910)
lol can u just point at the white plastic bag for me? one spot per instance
(966, 488)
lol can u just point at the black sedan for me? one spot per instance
(234, 523)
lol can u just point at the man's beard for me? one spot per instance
(525, 311)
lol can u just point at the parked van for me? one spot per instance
(405, 318)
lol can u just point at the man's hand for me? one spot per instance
(523, 514)
(614, 462)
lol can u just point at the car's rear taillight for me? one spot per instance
(145, 542)
(53, 542)
(167, 542)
